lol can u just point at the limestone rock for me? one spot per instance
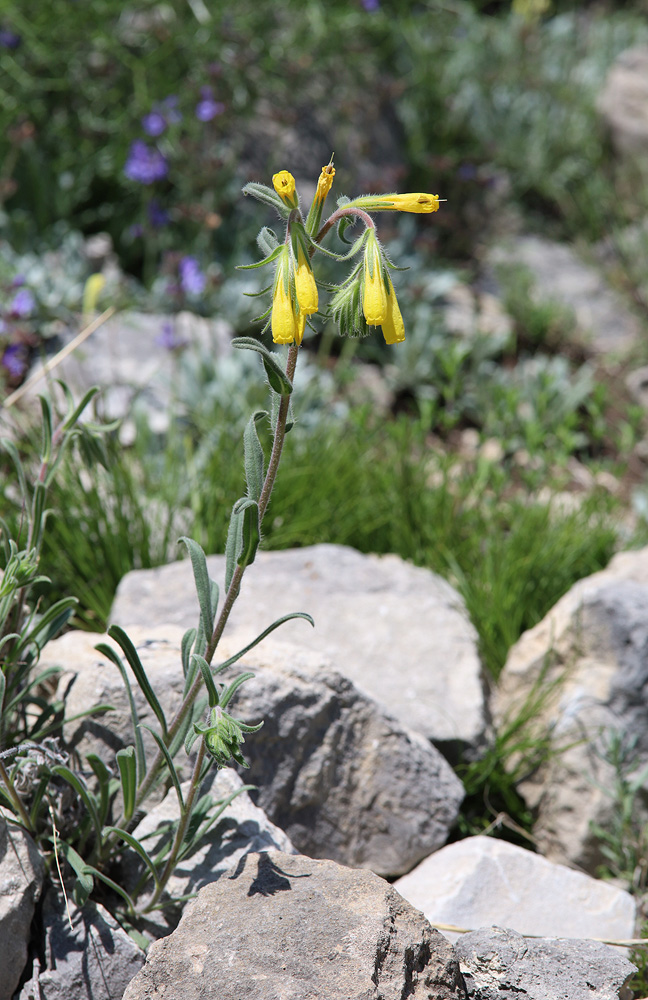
(344, 780)
(480, 881)
(92, 960)
(560, 276)
(588, 661)
(623, 102)
(21, 879)
(243, 829)
(399, 632)
(292, 927)
(502, 965)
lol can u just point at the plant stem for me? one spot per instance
(234, 587)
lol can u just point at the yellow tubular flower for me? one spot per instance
(374, 295)
(305, 283)
(393, 327)
(325, 182)
(413, 202)
(284, 185)
(283, 320)
(301, 323)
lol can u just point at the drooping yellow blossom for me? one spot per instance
(305, 286)
(417, 202)
(283, 319)
(301, 324)
(325, 182)
(374, 295)
(393, 327)
(284, 185)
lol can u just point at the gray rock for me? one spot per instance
(399, 632)
(588, 662)
(502, 965)
(341, 777)
(295, 928)
(21, 880)
(481, 880)
(560, 276)
(243, 829)
(92, 960)
(623, 102)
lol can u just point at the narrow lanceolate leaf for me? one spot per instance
(128, 775)
(250, 536)
(254, 459)
(133, 842)
(205, 670)
(276, 375)
(82, 870)
(46, 414)
(170, 765)
(80, 787)
(260, 263)
(229, 693)
(110, 654)
(187, 642)
(203, 586)
(261, 636)
(267, 196)
(267, 241)
(117, 633)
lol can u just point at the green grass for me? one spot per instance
(376, 487)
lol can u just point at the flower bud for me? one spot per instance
(305, 286)
(374, 296)
(393, 327)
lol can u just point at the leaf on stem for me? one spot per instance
(254, 458)
(117, 633)
(276, 375)
(128, 774)
(202, 582)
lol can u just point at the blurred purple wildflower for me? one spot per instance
(207, 108)
(192, 279)
(14, 360)
(467, 172)
(8, 38)
(22, 304)
(169, 108)
(158, 216)
(145, 164)
(154, 123)
(18, 280)
(169, 339)
(371, 5)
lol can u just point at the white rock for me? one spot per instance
(482, 881)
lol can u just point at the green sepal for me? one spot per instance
(276, 375)
(254, 458)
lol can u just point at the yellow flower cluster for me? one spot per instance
(379, 303)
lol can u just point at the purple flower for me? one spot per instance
(154, 123)
(14, 360)
(207, 108)
(467, 172)
(9, 39)
(145, 164)
(22, 304)
(169, 108)
(192, 279)
(371, 5)
(18, 280)
(169, 339)
(158, 216)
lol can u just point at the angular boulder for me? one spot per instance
(293, 927)
(586, 664)
(94, 959)
(343, 778)
(481, 881)
(501, 965)
(22, 871)
(399, 632)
